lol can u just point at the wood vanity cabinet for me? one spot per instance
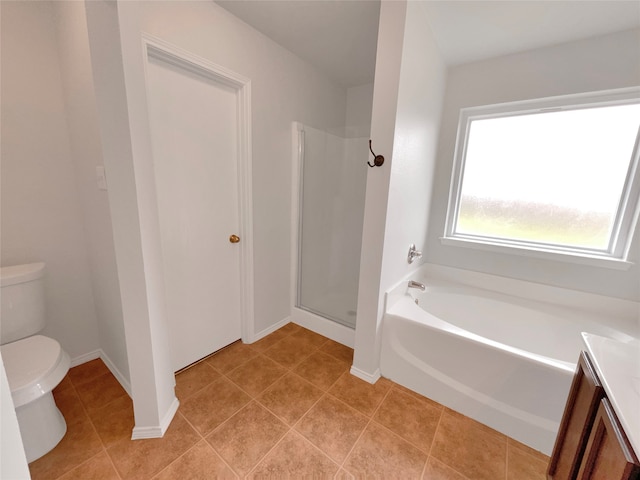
(591, 444)
(608, 455)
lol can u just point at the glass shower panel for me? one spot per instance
(333, 178)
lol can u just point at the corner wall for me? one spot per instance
(41, 214)
(86, 154)
(408, 92)
(283, 89)
(600, 63)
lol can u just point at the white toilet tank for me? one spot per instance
(22, 301)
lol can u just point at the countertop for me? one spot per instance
(618, 368)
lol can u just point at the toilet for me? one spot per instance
(34, 364)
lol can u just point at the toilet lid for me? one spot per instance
(34, 366)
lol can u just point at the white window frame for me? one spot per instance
(616, 255)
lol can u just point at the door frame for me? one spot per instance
(154, 47)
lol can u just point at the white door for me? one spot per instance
(194, 130)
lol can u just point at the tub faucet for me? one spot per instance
(418, 285)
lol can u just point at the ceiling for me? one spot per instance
(339, 36)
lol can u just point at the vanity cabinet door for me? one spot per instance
(579, 414)
(608, 455)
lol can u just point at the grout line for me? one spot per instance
(259, 461)
(95, 430)
(309, 410)
(251, 396)
(191, 424)
(363, 430)
(202, 438)
(433, 441)
(290, 427)
(435, 432)
(506, 461)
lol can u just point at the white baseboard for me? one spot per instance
(116, 373)
(267, 331)
(367, 377)
(86, 357)
(99, 353)
(140, 433)
(323, 326)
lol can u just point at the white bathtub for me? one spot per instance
(505, 361)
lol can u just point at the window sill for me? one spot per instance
(555, 256)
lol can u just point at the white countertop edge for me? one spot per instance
(618, 368)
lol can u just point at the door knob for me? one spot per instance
(234, 239)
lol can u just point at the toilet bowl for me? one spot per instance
(34, 364)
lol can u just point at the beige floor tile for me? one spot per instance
(114, 422)
(470, 448)
(231, 357)
(98, 467)
(311, 338)
(420, 397)
(290, 328)
(198, 463)
(521, 446)
(256, 375)
(341, 352)
(98, 392)
(294, 457)
(87, 371)
(343, 475)
(290, 397)
(333, 427)
(413, 419)
(436, 470)
(79, 444)
(269, 341)
(247, 437)
(392, 444)
(141, 459)
(69, 404)
(214, 404)
(194, 378)
(359, 394)
(380, 453)
(321, 369)
(63, 385)
(521, 465)
(289, 352)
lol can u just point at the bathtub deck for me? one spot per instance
(284, 405)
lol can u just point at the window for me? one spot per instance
(548, 177)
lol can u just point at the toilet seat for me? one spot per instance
(35, 366)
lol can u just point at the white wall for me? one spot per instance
(359, 104)
(408, 65)
(41, 206)
(284, 89)
(86, 153)
(136, 237)
(607, 62)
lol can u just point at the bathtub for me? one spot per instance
(502, 360)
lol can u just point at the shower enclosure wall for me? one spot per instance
(331, 191)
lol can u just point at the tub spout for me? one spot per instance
(414, 284)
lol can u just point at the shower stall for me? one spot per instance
(331, 180)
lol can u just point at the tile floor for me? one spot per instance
(283, 407)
